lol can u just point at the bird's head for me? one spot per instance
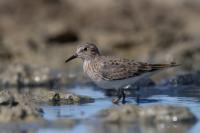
(86, 52)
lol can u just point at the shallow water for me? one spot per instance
(86, 111)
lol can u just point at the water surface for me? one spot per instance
(87, 111)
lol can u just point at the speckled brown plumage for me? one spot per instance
(109, 68)
(115, 68)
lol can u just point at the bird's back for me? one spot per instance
(115, 68)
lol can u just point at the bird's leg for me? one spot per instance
(138, 95)
(123, 96)
(119, 96)
(138, 99)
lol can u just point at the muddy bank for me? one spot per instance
(24, 105)
(15, 106)
(157, 117)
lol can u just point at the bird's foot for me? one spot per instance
(56, 98)
(121, 95)
(123, 101)
(116, 100)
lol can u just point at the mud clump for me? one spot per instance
(166, 114)
(122, 114)
(154, 114)
(61, 98)
(18, 107)
(21, 108)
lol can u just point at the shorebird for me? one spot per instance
(113, 72)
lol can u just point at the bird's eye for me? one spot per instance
(85, 49)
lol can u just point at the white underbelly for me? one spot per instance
(112, 84)
(115, 84)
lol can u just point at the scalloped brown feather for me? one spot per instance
(115, 68)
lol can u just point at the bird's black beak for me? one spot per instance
(71, 58)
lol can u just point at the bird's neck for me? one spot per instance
(87, 62)
(86, 65)
(90, 58)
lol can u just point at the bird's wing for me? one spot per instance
(118, 68)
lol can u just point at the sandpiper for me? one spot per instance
(113, 72)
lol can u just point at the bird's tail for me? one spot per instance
(163, 66)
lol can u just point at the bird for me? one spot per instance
(112, 71)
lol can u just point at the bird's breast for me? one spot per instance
(90, 69)
(85, 66)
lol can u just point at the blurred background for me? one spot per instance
(37, 36)
(46, 32)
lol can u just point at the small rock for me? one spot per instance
(166, 113)
(153, 114)
(109, 115)
(61, 98)
(17, 107)
(127, 113)
(7, 99)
